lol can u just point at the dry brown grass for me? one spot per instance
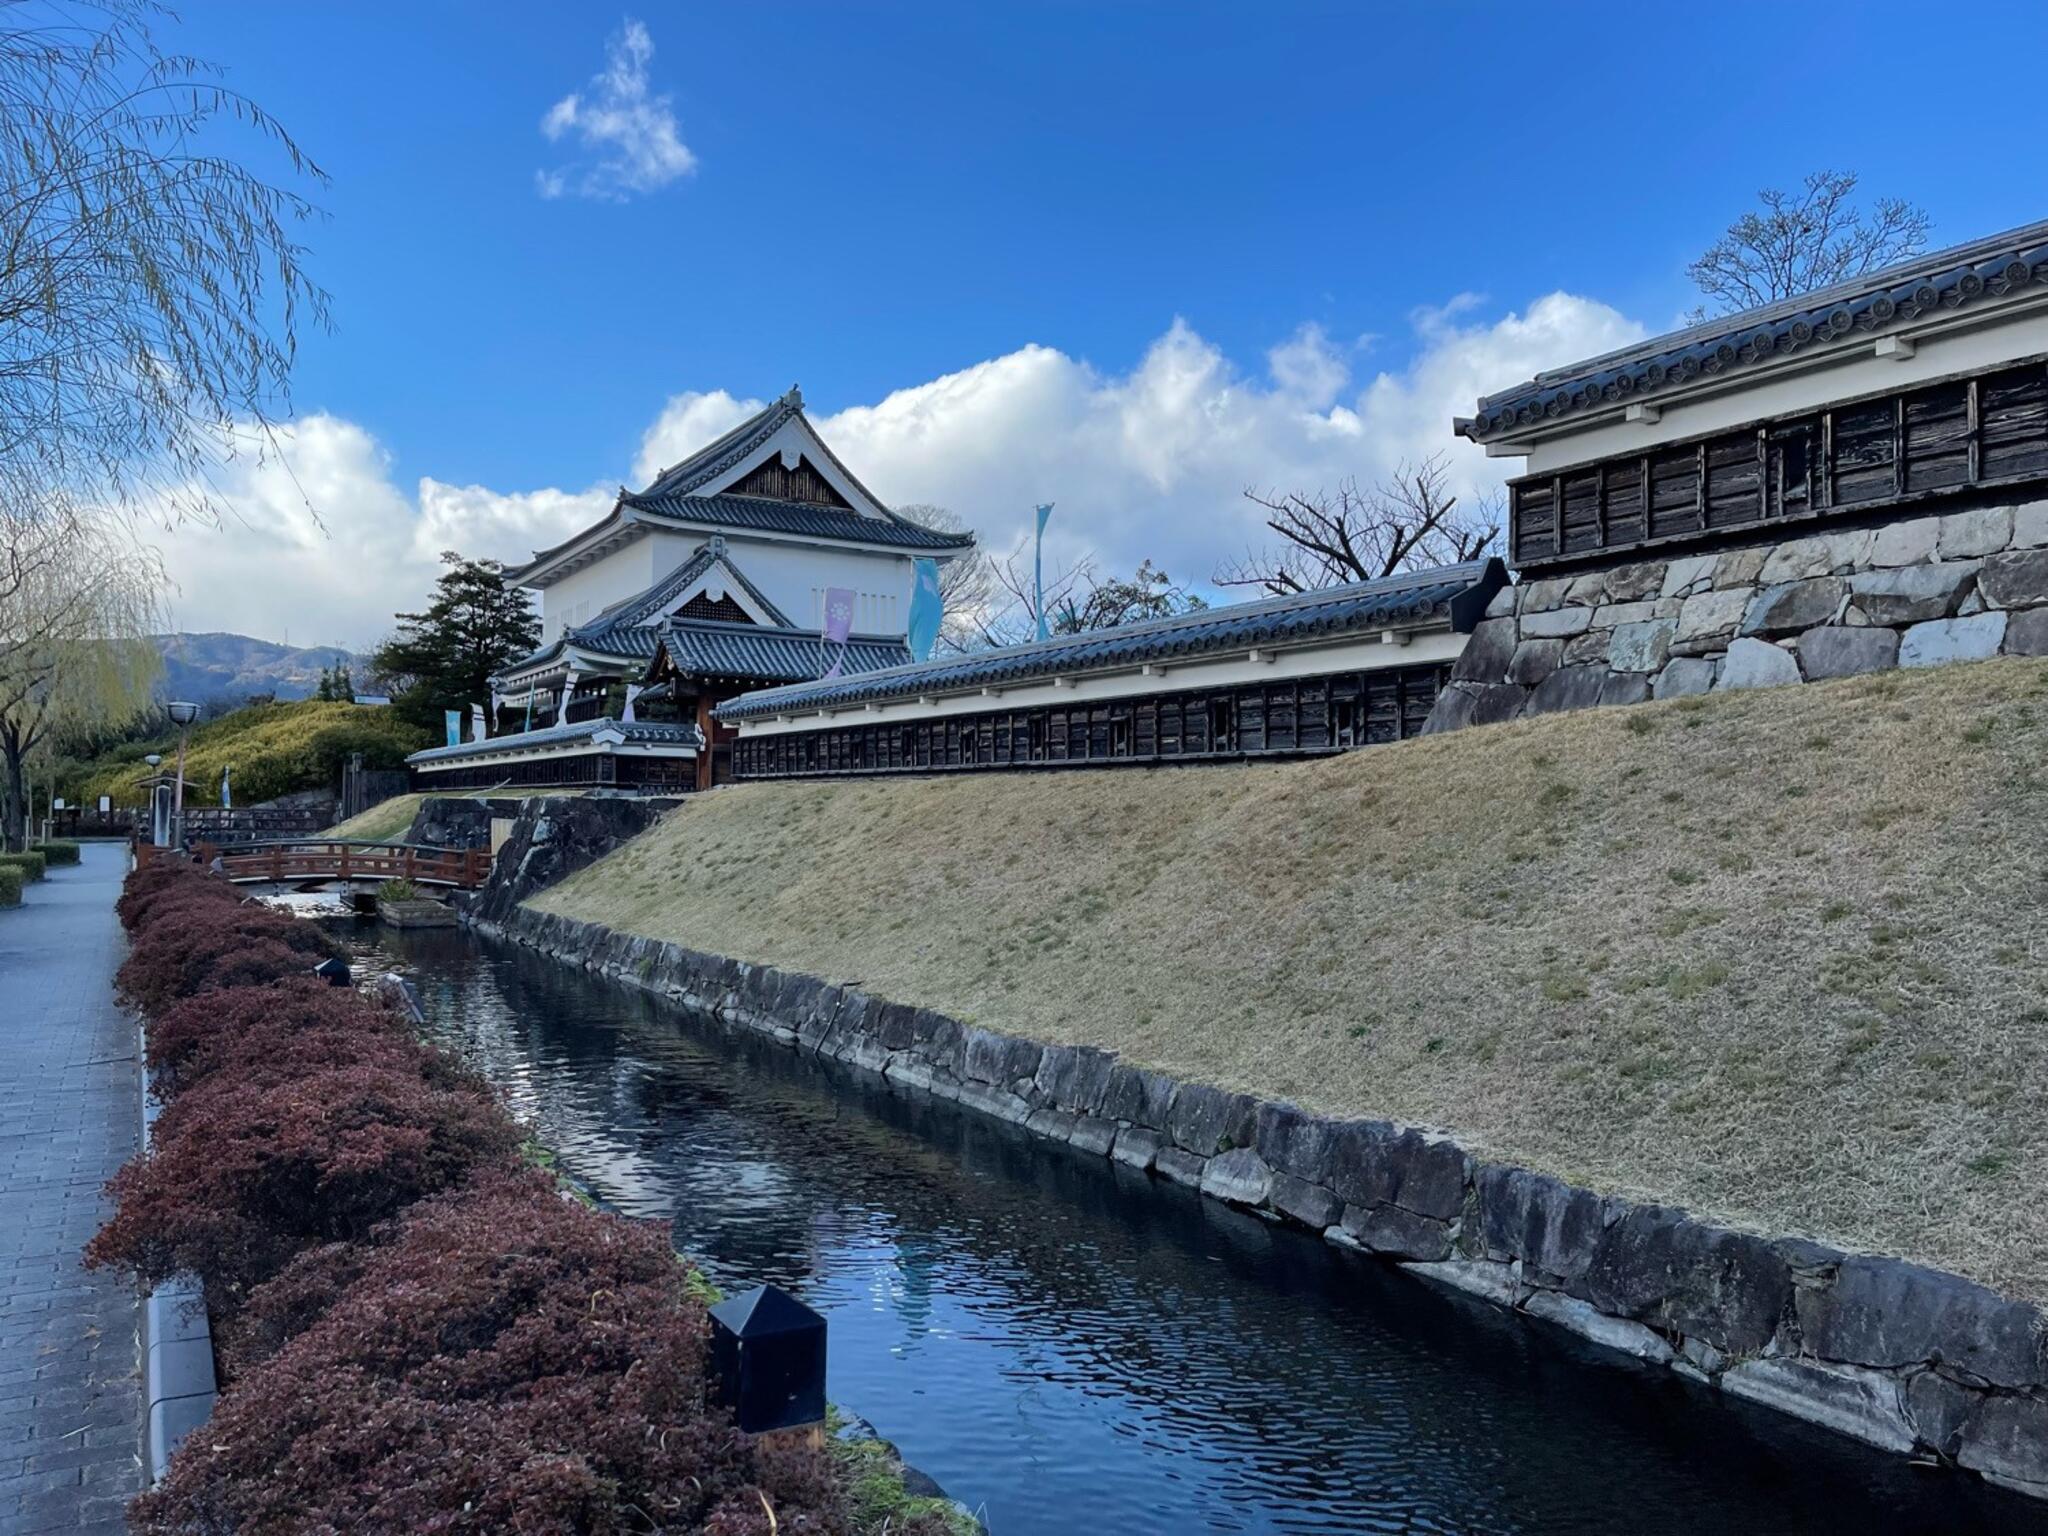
(385, 822)
(1775, 956)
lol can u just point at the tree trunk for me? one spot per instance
(14, 811)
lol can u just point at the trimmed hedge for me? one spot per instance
(200, 944)
(31, 864)
(58, 850)
(417, 1330)
(10, 887)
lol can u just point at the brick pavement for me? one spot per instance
(70, 1392)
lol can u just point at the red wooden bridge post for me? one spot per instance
(276, 862)
(344, 861)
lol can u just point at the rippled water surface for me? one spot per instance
(1077, 1349)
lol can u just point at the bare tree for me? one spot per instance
(1149, 594)
(151, 288)
(1408, 522)
(1802, 241)
(1010, 616)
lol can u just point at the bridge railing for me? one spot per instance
(286, 859)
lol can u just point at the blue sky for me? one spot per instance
(882, 198)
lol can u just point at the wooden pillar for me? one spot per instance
(705, 726)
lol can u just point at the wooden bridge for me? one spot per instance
(295, 860)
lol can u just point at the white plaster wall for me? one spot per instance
(1962, 344)
(582, 595)
(790, 574)
(1355, 655)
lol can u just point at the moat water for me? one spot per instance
(1071, 1348)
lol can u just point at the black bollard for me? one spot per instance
(768, 1354)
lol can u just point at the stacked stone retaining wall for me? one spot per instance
(1961, 586)
(1910, 1359)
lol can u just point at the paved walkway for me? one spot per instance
(70, 1394)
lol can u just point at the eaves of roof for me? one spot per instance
(1455, 595)
(1982, 274)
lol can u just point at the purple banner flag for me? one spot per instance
(838, 626)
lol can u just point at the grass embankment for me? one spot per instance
(274, 749)
(388, 820)
(385, 822)
(1776, 956)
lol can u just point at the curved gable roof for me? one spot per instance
(690, 492)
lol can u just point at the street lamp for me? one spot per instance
(182, 715)
(159, 820)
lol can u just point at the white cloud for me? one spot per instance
(1152, 463)
(276, 570)
(629, 138)
(1145, 464)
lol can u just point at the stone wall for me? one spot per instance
(553, 837)
(456, 821)
(1909, 1359)
(1956, 587)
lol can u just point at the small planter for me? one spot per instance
(416, 912)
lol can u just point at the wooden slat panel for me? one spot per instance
(1674, 493)
(2013, 423)
(1937, 437)
(1623, 501)
(1734, 484)
(1863, 453)
(1533, 531)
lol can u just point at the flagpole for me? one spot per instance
(1038, 569)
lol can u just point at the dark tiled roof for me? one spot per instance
(636, 733)
(647, 605)
(1457, 593)
(708, 648)
(722, 453)
(622, 629)
(532, 658)
(670, 495)
(1981, 272)
(800, 517)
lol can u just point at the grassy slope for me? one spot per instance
(274, 749)
(1776, 956)
(385, 822)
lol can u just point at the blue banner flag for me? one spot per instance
(227, 799)
(927, 609)
(453, 719)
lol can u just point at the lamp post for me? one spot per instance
(159, 822)
(182, 715)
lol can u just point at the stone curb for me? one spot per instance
(178, 1383)
(1913, 1360)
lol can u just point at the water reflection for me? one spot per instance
(1077, 1347)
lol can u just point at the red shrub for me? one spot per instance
(504, 1360)
(168, 882)
(271, 1032)
(248, 1169)
(203, 945)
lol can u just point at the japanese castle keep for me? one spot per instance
(1842, 482)
(709, 582)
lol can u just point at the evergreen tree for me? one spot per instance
(444, 658)
(337, 684)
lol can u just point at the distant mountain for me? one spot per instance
(207, 668)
